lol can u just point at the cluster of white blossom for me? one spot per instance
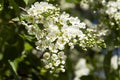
(54, 62)
(81, 69)
(53, 31)
(113, 10)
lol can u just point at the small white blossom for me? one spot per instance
(57, 63)
(63, 62)
(63, 70)
(61, 54)
(51, 71)
(53, 48)
(54, 57)
(47, 66)
(50, 65)
(46, 55)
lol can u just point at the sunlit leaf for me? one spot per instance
(26, 2)
(13, 69)
(27, 46)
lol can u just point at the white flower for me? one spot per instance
(63, 70)
(63, 18)
(39, 34)
(61, 54)
(57, 63)
(46, 55)
(54, 57)
(74, 21)
(61, 41)
(62, 66)
(47, 66)
(63, 62)
(31, 29)
(52, 29)
(51, 71)
(66, 35)
(60, 46)
(82, 25)
(53, 48)
(50, 65)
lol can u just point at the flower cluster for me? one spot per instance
(113, 10)
(54, 62)
(53, 31)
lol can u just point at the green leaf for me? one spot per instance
(26, 2)
(29, 2)
(13, 69)
(16, 19)
(27, 46)
(27, 37)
